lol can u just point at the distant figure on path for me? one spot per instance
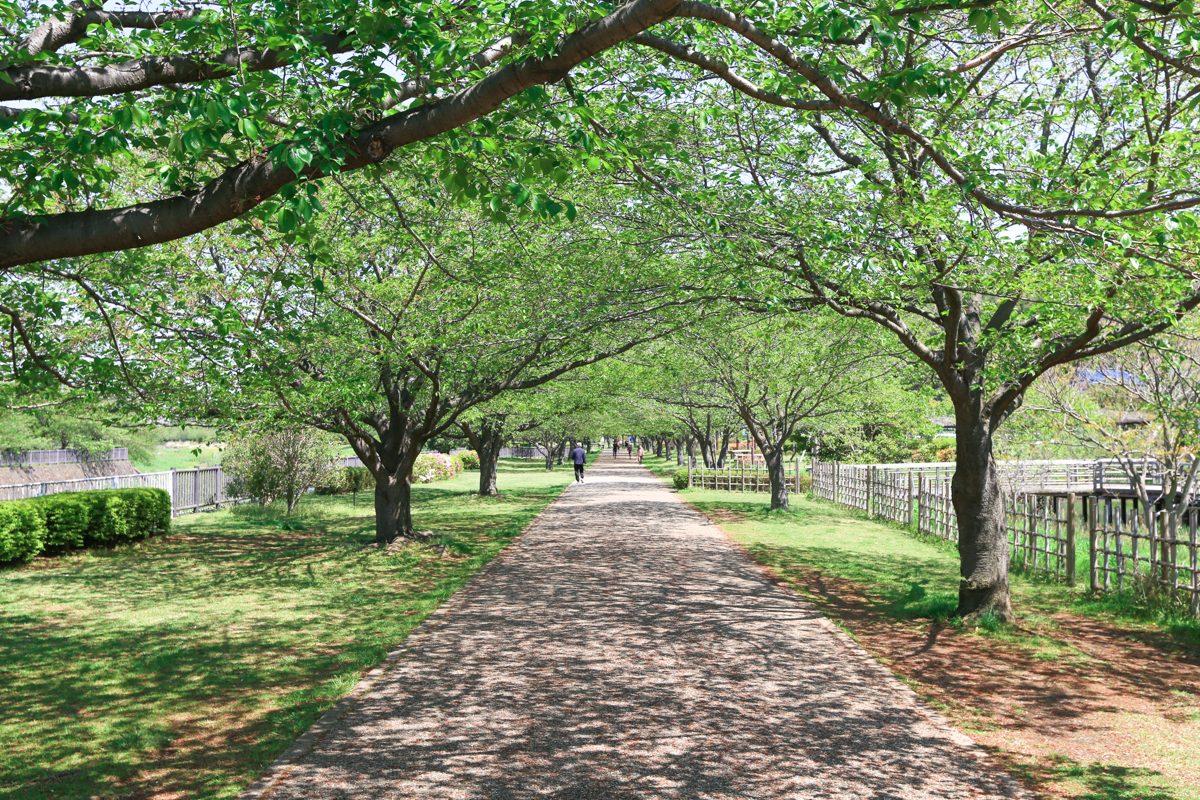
(616, 448)
(579, 456)
(641, 452)
(629, 449)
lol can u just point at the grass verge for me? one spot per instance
(1085, 697)
(181, 667)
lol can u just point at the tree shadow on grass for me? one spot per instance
(185, 664)
(1096, 781)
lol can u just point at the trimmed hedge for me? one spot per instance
(469, 459)
(22, 531)
(81, 519)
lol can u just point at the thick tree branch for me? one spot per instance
(248, 184)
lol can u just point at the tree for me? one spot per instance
(778, 374)
(262, 96)
(284, 463)
(1140, 405)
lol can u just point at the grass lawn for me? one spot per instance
(181, 455)
(181, 667)
(1085, 697)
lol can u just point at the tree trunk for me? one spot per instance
(724, 449)
(488, 440)
(979, 507)
(393, 507)
(678, 453)
(777, 470)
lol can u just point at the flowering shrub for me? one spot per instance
(432, 467)
(469, 459)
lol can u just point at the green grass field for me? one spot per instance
(181, 455)
(180, 667)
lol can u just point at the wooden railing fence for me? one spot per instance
(1126, 548)
(740, 477)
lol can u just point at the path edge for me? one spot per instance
(1013, 785)
(261, 787)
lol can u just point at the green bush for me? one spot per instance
(469, 459)
(680, 479)
(333, 483)
(359, 479)
(67, 518)
(346, 481)
(22, 531)
(76, 519)
(116, 516)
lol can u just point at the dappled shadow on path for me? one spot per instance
(623, 648)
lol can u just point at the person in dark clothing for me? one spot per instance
(579, 456)
(616, 445)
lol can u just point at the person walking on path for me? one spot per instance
(579, 456)
(629, 449)
(641, 452)
(616, 448)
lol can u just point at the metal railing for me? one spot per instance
(35, 458)
(191, 490)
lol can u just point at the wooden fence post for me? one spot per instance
(1070, 540)
(835, 482)
(797, 471)
(691, 460)
(218, 497)
(910, 501)
(1093, 512)
(920, 499)
(867, 502)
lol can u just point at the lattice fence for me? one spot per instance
(739, 478)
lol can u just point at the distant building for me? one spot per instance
(947, 426)
(1128, 420)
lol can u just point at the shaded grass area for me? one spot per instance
(181, 667)
(884, 586)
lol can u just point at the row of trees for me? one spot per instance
(400, 215)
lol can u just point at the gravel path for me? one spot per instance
(624, 648)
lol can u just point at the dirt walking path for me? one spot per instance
(624, 648)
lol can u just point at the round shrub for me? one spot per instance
(680, 479)
(22, 531)
(469, 459)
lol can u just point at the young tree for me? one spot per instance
(779, 374)
(285, 463)
(1140, 405)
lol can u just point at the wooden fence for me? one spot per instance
(1131, 550)
(742, 477)
(191, 490)
(1127, 549)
